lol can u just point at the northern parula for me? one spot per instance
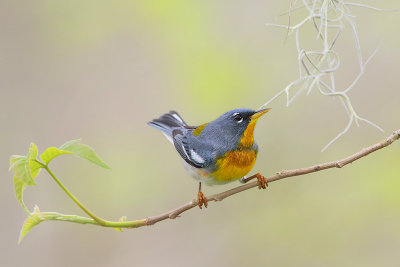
(217, 152)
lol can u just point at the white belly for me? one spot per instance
(202, 175)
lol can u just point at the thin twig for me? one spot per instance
(174, 213)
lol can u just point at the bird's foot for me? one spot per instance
(262, 181)
(201, 200)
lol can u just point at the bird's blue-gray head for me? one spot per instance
(236, 126)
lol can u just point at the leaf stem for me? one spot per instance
(87, 211)
(100, 221)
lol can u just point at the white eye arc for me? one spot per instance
(237, 117)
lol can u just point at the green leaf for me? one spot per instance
(18, 164)
(25, 169)
(84, 151)
(70, 143)
(52, 152)
(33, 151)
(19, 188)
(14, 160)
(29, 223)
(33, 166)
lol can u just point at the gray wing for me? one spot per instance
(194, 152)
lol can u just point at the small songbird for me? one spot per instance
(217, 152)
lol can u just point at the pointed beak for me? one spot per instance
(259, 113)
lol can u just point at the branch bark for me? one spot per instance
(174, 213)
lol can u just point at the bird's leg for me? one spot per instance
(262, 181)
(201, 198)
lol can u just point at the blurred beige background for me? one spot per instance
(99, 70)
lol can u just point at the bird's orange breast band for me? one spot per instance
(234, 165)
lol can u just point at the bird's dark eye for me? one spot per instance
(237, 117)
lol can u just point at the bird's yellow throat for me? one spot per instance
(247, 139)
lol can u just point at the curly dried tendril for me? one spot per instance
(317, 68)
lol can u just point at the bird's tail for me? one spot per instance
(167, 123)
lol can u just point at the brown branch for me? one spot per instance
(172, 214)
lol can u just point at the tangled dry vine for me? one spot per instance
(319, 61)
